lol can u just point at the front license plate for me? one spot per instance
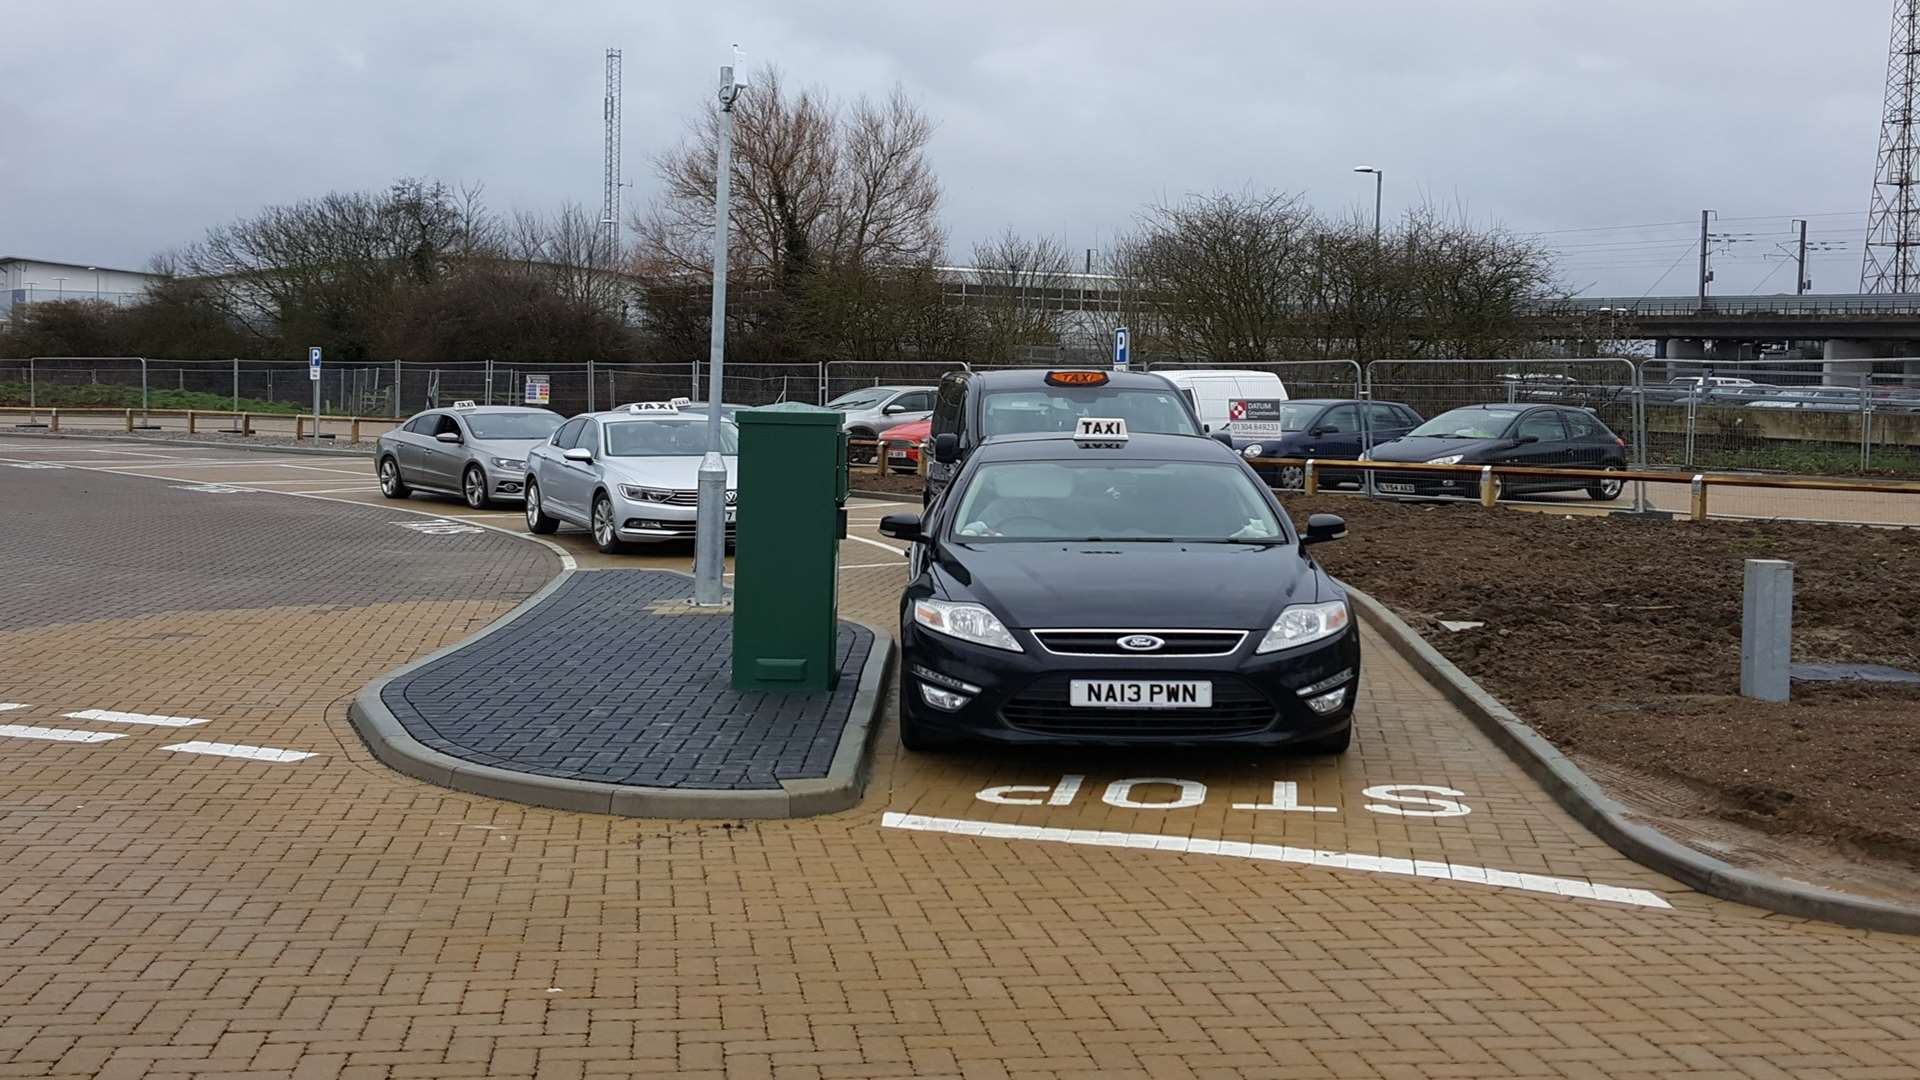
(729, 514)
(898, 455)
(1140, 694)
(1396, 489)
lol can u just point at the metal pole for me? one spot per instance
(590, 394)
(316, 412)
(710, 547)
(1766, 630)
(145, 420)
(236, 384)
(1706, 275)
(1800, 273)
(1638, 377)
(396, 389)
(1379, 180)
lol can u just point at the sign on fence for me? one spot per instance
(539, 390)
(1254, 417)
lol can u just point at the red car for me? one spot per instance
(902, 445)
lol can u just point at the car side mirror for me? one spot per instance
(893, 408)
(1224, 438)
(449, 437)
(1525, 439)
(1324, 529)
(901, 526)
(946, 448)
(578, 453)
(1325, 429)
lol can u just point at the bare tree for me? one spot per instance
(1021, 298)
(1227, 272)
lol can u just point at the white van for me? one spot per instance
(1210, 390)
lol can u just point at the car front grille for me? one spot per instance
(1044, 708)
(1107, 642)
(689, 498)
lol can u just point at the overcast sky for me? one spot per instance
(127, 128)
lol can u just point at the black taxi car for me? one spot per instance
(1107, 587)
(971, 407)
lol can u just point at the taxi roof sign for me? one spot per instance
(1076, 378)
(680, 402)
(1095, 431)
(465, 405)
(652, 407)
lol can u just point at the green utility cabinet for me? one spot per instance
(789, 520)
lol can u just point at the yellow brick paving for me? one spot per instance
(168, 915)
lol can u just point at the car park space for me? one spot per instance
(1053, 909)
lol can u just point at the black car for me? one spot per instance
(971, 407)
(1337, 428)
(1538, 436)
(1145, 590)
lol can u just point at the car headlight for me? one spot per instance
(1305, 623)
(1253, 451)
(1450, 459)
(509, 464)
(968, 622)
(645, 494)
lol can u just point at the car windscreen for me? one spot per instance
(860, 399)
(666, 438)
(1114, 500)
(1058, 409)
(1295, 417)
(1467, 424)
(532, 425)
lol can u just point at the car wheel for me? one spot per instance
(604, 535)
(537, 519)
(391, 485)
(1606, 490)
(473, 485)
(1328, 745)
(1293, 477)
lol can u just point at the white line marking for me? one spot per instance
(334, 491)
(1335, 860)
(108, 716)
(50, 734)
(878, 544)
(9, 706)
(251, 753)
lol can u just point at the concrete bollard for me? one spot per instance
(1766, 630)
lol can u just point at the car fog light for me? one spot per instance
(947, 681)
(1327, 703)
(944, 700)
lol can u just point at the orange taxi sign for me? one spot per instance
(1076, 378)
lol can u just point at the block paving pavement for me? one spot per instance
(181, 915)
(611, 679)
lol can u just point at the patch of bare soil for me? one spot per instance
(1618, 638)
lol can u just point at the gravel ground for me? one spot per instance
(1619, 639)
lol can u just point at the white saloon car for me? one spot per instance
(626, 476)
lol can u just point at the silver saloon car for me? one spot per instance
(876, 408)
(478, 452)
(626, 476)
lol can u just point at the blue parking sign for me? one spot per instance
(313, 363)
(1120, 350)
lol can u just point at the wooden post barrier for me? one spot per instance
(1489, 488)
(1699, 498)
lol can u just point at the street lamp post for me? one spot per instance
(710, 522)
(1379, 177)
(95, 271)
(60, 283)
